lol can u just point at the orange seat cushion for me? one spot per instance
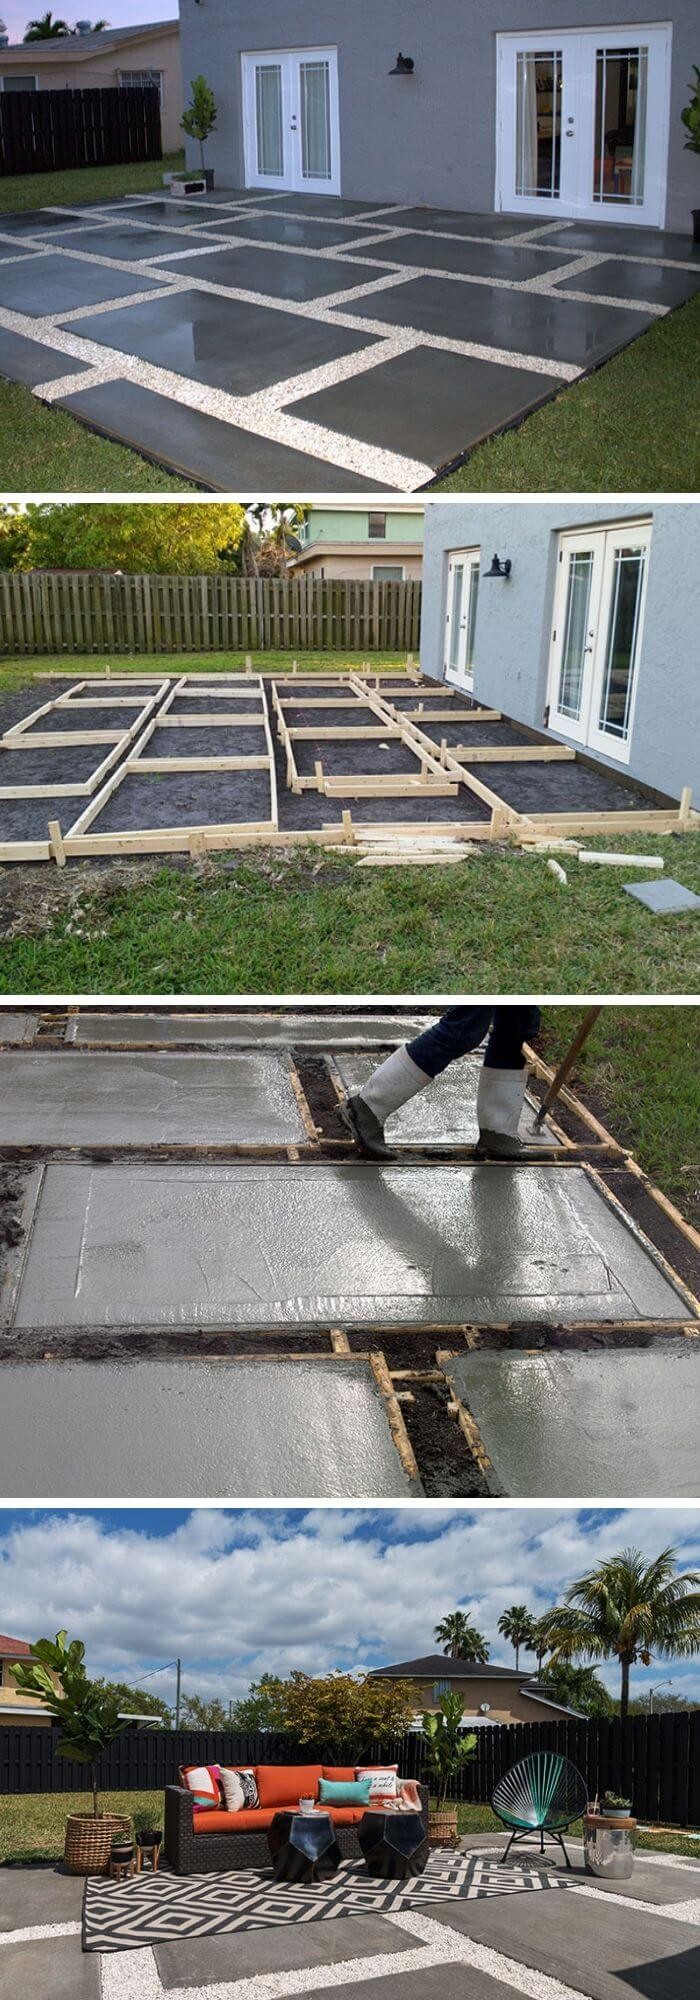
(286, 1784)
(247, 1820)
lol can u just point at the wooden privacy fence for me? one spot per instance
(70, 611)
(654, 1760)
(45, 129)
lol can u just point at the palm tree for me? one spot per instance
(578, 1687)
(460, 1639)
(516, 1625)
(46, 29)
(540, 1638)
(629, 1610)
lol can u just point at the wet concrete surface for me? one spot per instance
(444, 1113)
(274, 1244)
(222, 341)
(443, 402)
(616, 1421)
(259, 1429)
(16, 1026)
(111, 1100)
(277, 1030)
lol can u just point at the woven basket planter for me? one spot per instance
(88, 1841)
(442, 1827)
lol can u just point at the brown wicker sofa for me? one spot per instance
(202, 1843)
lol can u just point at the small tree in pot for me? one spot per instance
(691, 119)
(447, 1749)
(199, 120)
(90, 1721)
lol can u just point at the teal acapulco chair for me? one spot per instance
(542, 1795)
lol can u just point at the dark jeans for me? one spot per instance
(463, 1028)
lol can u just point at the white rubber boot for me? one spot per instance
(499, 1102)
(392, 1084)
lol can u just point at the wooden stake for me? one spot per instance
(56, 843)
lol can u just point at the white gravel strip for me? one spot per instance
(77, 313)
(679, 1913)
(586, 262)
(132, 1975)
(67, 385)
(602, 299)
(33, 1933)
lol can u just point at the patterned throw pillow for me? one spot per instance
(384, 1781)
(234, 1778)
(203, 1781)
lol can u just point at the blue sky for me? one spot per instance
(238, 1592)
(17, 14)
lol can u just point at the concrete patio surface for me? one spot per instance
(247, 338)
(593, 1942)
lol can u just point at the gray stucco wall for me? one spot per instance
(514, 620)
(429, 138)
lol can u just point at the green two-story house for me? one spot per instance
(383, 545)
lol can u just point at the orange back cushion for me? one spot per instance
(286, 1784)
(339, 1774)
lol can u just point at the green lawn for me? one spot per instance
(629, 427)
(80, 184)
(20, 673)
(640, 1069)
(32, 1826)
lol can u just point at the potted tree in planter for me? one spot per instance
(89, 1720)
(691, 119)
(447, 1749)
(199, 120)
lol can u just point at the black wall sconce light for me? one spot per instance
(404, 66)
(499, 568)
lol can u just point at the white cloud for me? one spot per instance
(241, 1592)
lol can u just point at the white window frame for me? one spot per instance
(137, 79)
(291, 180)
(468, 559)
(401, 578)
(602, 541)
(575, 200)
(13, 73)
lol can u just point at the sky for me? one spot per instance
(237, 1593)
(17, 14)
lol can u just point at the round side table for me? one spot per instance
(303, 1847)
(393, 1844)
(608, 1846)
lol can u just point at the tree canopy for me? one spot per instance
(165, 539)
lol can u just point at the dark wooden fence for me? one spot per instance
(41, 130)
(655, 1760)
(70, 611)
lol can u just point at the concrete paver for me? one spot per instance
(55, 1099)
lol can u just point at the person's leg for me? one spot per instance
(501, 1090)
(408, 1069)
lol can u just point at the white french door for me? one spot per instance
(460, 616)
(596, 637)
(290, 120)
(583, 122)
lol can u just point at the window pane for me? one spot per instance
(471, 621)
(620, 125)
(621, 648)
(538, 123)
(315, 121)
(376, 527)
(268, 100)
(387, 573)
(575, 635)
(456, 616)
(19, 82)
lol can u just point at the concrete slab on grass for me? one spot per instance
(54, 1099)
(303, 1030)
(445, 1113)
(611, 1421)
(255, 1244)
(279, 1429)
(665, 897)
(17, 1026)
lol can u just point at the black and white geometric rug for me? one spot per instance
(153, 1909)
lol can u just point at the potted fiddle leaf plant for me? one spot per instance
(690, 117)
(89, 1721)
(199, 119)
(447, 1747)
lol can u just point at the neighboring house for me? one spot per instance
(490, 1694)
(536, 109)
(593, 637)
(15, 1705)
(113, 57)
(382, 545)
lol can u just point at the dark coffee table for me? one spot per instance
(393, 1844)
(303, 1847)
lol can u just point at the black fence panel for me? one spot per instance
(655, 1759)
(44, 130)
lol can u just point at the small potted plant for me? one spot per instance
(90, 1721)
(148, 1834)
(615, 1806)
(447, 1748)
(199, 120)
(691, 120)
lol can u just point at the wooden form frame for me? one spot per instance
(23, 736)
(447, 767)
